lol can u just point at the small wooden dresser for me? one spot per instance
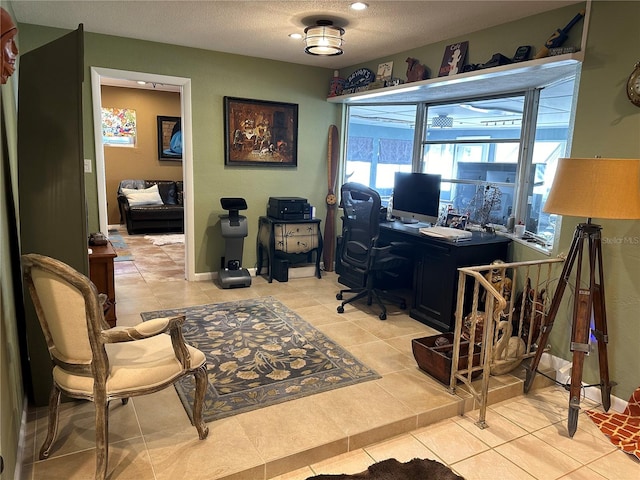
(101, 274)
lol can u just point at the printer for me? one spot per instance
(289, 208)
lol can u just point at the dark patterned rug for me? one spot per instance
(120, 246)
(260, 353)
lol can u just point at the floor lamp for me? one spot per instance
(592, 188)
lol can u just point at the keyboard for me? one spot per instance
(446, 233)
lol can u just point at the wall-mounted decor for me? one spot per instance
(259, 132)
(119, 127)
(169, 138)
(453, 59)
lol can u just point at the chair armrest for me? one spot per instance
(151, 328)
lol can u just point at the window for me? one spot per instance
(497, 154)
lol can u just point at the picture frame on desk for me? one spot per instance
(260, 133)
(455, 220)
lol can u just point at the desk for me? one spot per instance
(294, 240)
(101, 274)
(436, 263)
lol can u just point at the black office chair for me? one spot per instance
(360, 251)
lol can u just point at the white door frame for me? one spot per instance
(97, 75)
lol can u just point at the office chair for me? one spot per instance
(360, 251)
(94, 362)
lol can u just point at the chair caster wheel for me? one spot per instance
(338, 296)
(340, 309)
(382, 316)
(403, 306)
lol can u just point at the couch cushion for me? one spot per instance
(147, 196)
(167, 189)
(156, 212)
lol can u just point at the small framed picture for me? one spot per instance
(169, 138)
(455, 220)
(384, 71)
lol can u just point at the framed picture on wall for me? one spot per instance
(259, 132)
(169, 138)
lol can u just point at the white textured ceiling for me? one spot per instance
(261, 28)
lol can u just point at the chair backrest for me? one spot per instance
(360, 224)
(69, 311)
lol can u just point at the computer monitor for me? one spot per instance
(416, 197)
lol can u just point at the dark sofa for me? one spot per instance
(144, 212)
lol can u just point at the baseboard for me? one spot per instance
(562, 368)
(22, 440)
(302, 271)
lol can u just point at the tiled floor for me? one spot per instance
(405, 414)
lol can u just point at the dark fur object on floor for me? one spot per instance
(392, 469)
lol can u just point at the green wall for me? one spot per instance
(215, 75)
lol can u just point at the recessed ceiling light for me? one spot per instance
(296, 36)
(359, 6)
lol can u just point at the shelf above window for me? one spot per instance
(515, 77)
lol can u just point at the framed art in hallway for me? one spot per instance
(260, 132)
(169, 138)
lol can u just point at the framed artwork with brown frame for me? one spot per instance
(260, 132)
(169, 138)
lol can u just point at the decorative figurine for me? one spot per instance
(415, 70)
(9, 48)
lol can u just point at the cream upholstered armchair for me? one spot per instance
(94, 362)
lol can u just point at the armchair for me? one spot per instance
(94, 362)
(360, 249)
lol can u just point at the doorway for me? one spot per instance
(100, 76)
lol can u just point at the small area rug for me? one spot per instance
(392, 469)
(623, 429)
(260, 353)
(120, 246)
(160, 240)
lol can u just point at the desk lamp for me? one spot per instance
(592, 188)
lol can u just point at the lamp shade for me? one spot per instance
(323, 39)
(596, 188)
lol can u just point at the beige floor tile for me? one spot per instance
(352, 462)
(363, 407)
(417, 392)
(76, 426)
(381, 357)
(299, 474)
(583, 446)
(450, 442)
(403, 448)
(161, 411)
(398, 326)
(538, 458)
(490, 465)
(287, 428)
(226, 451)
(499, 429)
(617, 466)
(583, 473)
(526, 415)
(138, 305)
(346, 334)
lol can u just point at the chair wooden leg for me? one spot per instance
(54, 402)
(102, 435)
(198, 402)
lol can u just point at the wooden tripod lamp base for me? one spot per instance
(592, 188)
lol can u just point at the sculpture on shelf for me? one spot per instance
(415, 70)
(9, 48)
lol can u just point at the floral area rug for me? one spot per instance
(260, 353)
(623, 429)
(120, 246)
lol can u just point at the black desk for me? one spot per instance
(435, 275)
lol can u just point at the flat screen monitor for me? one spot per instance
(416, 197)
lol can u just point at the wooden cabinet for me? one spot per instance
(101, 274)
(295, 240)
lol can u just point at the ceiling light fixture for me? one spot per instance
(323, 39)
(359, 6)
